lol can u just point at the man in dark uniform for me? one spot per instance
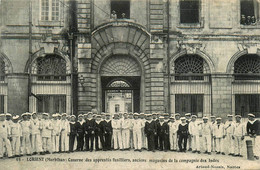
(99, 133)
(80, 132)
(73, 133)
(156, 120)
(188, 120)
(89, 131)
(107, 129)
(166, 130)
(150, 132)
(183, 135)
(162, 132)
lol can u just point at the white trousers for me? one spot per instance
(219, 144)
(195, 143)
(238, 143)
(46, 142)
(16, 144)
(26, 144)
(5, 142)
(55, 143)
(125, 138)
(137, 139)
(117, 137)
(173, 140)
(229, 144)
(64, 142)
(206, 139)
(131, 140)
(213, 144)
(36, 143)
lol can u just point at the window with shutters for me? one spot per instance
(2, 104)
(50, 10)
(189, 11)
(51, 103)
(189, 103)
(2, 70)
(120, 9)
(247, 103)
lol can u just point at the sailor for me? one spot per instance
(80, 132)
(213, 140)
(173, 128)
(183, 133)
(16, 133)
(253, 130)
(65, 132)
(238, 136)
(137, 132)
(107, 129)
(46, 133)
(73, 133)
(90, 131)
(206, 131)
(144, 140)
(229, 130)
(219, 135)
(35, 127)
(117, 126)
(177, 121)
(188, 120)
(99, 131)
(131, 137)
(161, 133)
(150, 132)
(56, 133)
(4, 137)
(26, 142)
(126, 124)
(194, 130)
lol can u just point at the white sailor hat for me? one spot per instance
(238, 116)
(35, 113)
(161, 117)
(90, 113)
(2, 114)
(172, 117)
(148, 114)
(188, 114)
(58, 114)
(15, 117)
(107, 114)
(136, 114)
(205, 118)
(251, 115)
(218, 118)
(54, 115)
(98, 116)
(85, 114)
(194, 116)
(8, 114)
(46, 114)
(212, 116)
(72, 116)
(182, 118)
(141, 113)
(64, 114)
(154, 113)
(177, 114)
(130, 113)
(80, 115)
(24, 114)
(103, 113)
(229, 115)
(125, 113)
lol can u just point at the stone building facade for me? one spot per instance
(75, 56)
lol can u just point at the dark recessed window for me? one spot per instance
(120, 9)
(247, 103)
(51, 103)
(247, 9)
(189, 11)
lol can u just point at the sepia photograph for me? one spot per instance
(129, 84)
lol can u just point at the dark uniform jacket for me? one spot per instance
(107, 126)
(90, 125)
(80, 128)
(73, 129)
(254, 128)
(150, 128)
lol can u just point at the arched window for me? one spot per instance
(247, 67)
(2, 70)
(190, 67)
(119, 83)
(50, 67)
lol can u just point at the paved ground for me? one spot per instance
(128, 160)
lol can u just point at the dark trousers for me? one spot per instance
(80, 141)
(107, 142)
(166, 142)
(101, 137)
(156, 142)
(182, 141)
(71, 141)
(91, 138)
(150, 140)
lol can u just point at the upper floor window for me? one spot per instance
(189, 11)
(120, 9)
(249, 12)
(50, 10)
(2, 70)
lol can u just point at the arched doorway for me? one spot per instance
(121, 84)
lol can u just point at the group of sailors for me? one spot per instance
(42, 133)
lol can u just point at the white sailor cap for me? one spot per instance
(98, 116)
(251, 115)
(2, 114)
(238, 116)
(188, 114)
(218, 118)
(172, 117)
(46, 114)
(90, 113)
(177, 114)
(161, 117)
(58, 114)
(80, 115)
(54, 115)
(136, 114)
(72, 116)
(148, 114)
(85, 114)
(141, 113)
(183, 118)
(154, 113)
(15, 117)
(24, 114)
(8, 114)
(212, 116)
(205, 118)
(64, 114)
(194, 116)
(107, 114)
(34, 113)
(229, 115)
